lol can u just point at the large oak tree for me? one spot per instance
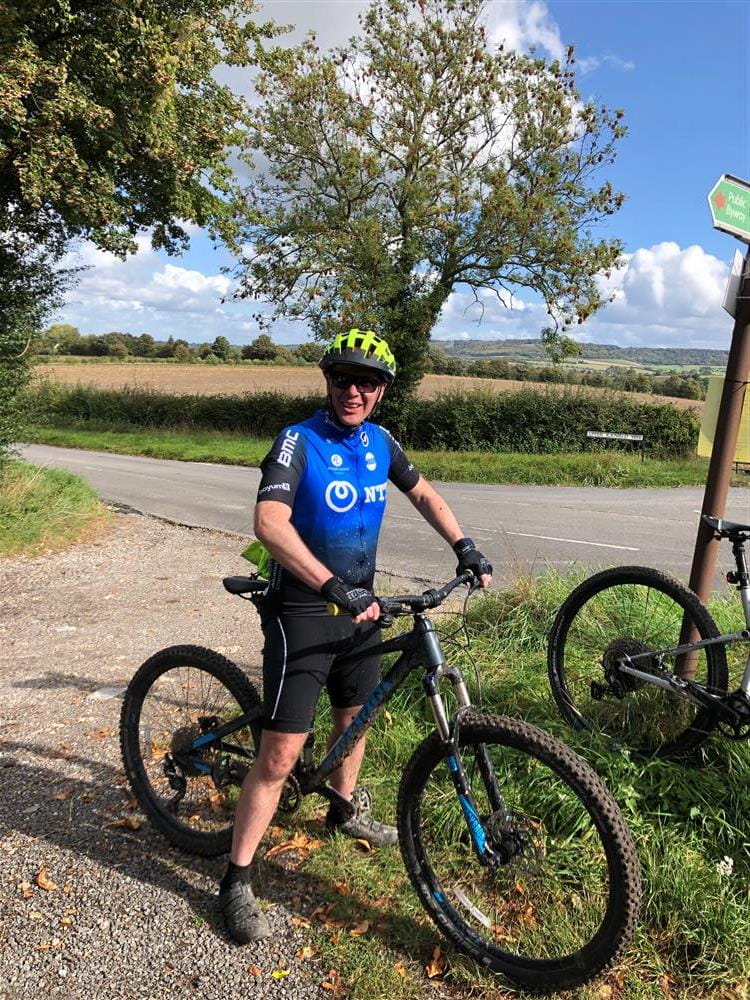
(418, 158)
(111, 122)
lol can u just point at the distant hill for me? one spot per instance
(532, 350)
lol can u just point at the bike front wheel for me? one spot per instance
(632, 611)
(563, 904)
(178, 696)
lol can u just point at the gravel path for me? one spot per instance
(87, 906)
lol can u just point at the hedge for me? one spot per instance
(528, 420)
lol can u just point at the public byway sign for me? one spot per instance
(729, 201)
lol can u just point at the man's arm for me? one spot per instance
(435, 510)
(274, 528)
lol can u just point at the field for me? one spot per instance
(236, 379)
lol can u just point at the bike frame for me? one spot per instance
(420, 647)
(690, 689)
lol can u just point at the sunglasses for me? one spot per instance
(363, 383)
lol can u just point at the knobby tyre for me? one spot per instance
(562, 909)
(631, 610)
(176, 696)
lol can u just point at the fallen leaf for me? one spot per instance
(307, 952)
(334, 983)
(400, 968)
(299, 922)
(66, 921)
(127, 823)
(65, 746)
(364, 845)
(44, 882)
(300, 842)
(98, 734)
(254, 970)
(276, 832)
(280, 973)
(360, 929)
(36, 915)
(68, 888)
(388, 716)
(66, 794)
(437, 964)
(342, 889)
(25, 889)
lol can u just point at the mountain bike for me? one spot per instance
(514, 846)
(635, 656)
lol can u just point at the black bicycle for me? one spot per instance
(635, 656)
(514, 846)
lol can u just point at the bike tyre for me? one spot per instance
(199, 842)
(716, 670)
(624, 886)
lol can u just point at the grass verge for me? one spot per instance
(610, 469)
(686, 819)
(42, 509)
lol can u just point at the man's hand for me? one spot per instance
(470, 558)
(357, 601)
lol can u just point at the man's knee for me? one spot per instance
(278, 755)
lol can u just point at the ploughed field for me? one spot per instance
(235, 380)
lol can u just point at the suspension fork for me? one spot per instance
(449, 734)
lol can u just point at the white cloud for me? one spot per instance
(664, 296)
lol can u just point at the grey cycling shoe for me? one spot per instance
(245, 920)
(354, 819)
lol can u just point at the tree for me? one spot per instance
(418, 159)
(260, 349)
(31, 287)
(112, 119)
(222, 348)
(112, 122)
(311, 351)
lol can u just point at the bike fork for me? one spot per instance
(449, 735)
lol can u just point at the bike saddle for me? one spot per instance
(726, 529)
(243, 584)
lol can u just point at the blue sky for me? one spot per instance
(680, 71)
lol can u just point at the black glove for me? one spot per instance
(355, 600)
(470, 558)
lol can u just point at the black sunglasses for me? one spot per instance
(363, 383)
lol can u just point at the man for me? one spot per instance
(320, 505)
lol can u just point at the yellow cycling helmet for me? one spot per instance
(363, 348)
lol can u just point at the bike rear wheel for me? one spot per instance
(631, 610)
(564, 904)
(178, 695)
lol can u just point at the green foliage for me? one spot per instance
(542, 422)
(43, 508)
(31, 286)
(524, 421)
(420, 157)
(112, 119)
(260, 349)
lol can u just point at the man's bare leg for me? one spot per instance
(261, 790)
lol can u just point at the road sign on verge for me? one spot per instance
(616, 437)
(729, 201)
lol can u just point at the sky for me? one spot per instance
(681, 73)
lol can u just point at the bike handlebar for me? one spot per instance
(410, 604)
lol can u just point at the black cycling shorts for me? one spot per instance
(300, 656)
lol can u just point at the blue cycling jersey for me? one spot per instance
(335, 479)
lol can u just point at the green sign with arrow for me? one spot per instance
(729, 201)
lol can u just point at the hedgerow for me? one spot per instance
(528, 420)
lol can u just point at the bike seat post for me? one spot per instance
(742, 578)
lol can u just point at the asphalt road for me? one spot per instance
(521, 529)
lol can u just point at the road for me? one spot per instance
(522, 529)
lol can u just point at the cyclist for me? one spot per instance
(319, 509)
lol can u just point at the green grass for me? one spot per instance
(685, 819)
(43, 509)
(596, 468)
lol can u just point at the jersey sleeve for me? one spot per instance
(283, 467)
(402, 473)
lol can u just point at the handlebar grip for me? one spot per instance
(334, 609)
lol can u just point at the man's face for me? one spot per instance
(354, 393)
